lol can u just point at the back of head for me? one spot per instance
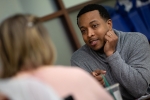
(91, 7)
(24, 44)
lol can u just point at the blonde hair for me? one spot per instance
(24, 42)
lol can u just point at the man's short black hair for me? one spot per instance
(90, 7)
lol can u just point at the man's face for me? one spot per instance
(93, 28)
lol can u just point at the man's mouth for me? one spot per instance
(93, 42)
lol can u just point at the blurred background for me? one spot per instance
(59, 17)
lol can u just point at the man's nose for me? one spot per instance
(90, 33)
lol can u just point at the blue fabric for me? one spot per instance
(138, 23)
(118, 22)
(136, 20)
(144, 12)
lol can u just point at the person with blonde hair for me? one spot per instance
(24, 43)
(26, 52)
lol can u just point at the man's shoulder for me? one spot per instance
(81, 51)
(136, 37)
(132, 36)
(82, 54)
(135, 34)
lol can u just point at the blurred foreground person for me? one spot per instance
(26, 51)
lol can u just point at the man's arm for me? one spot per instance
(134, 74)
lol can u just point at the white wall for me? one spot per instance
(8, 8)
(70, 3)
(58, 35)
(38, 7)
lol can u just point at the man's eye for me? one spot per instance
(82, 31)
(95, 26)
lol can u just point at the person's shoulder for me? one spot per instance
(85, 82)
(66, 69)
(74, 73)
(132, 36)
(137, 37)
(60, 68)
(63, 70)
(81, 52)
(60, 72)
(83, 48)
(72, 77)
(136, 34)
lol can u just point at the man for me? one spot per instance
(124, 57)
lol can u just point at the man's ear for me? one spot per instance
(109, 24)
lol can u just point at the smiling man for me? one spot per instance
(124, 57)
